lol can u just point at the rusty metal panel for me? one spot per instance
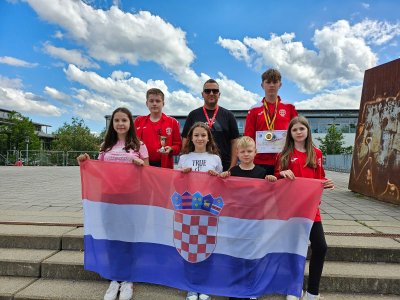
(375, 170)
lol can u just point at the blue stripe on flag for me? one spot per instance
(225, 275)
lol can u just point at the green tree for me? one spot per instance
(102, 135)
(17, 133)
(75, 136)
(333, 141)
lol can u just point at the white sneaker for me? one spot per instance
(291, 297)
(192, 296)
(204, 297)
(126, 290)
(112, 291)
(309, 296)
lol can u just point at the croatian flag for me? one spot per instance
(238, 237)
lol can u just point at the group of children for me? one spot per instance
(299, 158)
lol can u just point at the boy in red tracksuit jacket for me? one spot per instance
(269, 114)
(159, 132)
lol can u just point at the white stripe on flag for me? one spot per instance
(244, 238)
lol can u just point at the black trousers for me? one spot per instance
(317, 259)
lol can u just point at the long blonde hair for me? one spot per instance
(288, 149)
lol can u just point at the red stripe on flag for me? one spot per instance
(251, 199)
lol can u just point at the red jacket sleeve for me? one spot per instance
(250, 126)
(294, 112)
(320, 169)
(136, 124)
(176, 138)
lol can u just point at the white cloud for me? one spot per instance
(14, 98)
(347, 98)
(236, 49)
(365, 5)
(120, 87)
(102, 95)
(115, 36)
(233, 95)
(70, 56)
(118, 75)
(343, 53)
(58, 35)
(376, 32)
(12, 61)
(57, 95)
(13, 83)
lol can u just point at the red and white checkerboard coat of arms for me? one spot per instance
(195, 225)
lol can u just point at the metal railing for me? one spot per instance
(44, 157)
(338, 162)
(70, 159)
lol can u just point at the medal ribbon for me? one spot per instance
(270, 122)
(210, 122)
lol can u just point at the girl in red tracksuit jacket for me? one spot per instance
(300, 158)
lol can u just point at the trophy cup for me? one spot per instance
(163, 139)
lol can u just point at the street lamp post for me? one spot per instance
(27, 149)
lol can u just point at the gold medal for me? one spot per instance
(269, 135)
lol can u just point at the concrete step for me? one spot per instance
(10, 285)
(73, 240)
(67, 265)
(56, 289)
(32, 237)
(350, 277)
(22, 262)
(362, 249)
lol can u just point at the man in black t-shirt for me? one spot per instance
(221, 122)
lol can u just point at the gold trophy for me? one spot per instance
(163, 140)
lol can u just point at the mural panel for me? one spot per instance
(375, 168)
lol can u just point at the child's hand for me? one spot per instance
(225, 174)
(186, 170)
(168, 149)
(213, 173)
(271, 178)
(138, 162)
(287, 174)
(328, 184)
(82, 158)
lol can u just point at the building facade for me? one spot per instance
(40, 129)
(320, 120)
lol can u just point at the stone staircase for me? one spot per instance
(46, 262)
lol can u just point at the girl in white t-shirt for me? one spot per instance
(121, 145)
(201, 155)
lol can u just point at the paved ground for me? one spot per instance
(52, 194)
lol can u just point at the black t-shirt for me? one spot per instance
(224, 130)
(256, 172)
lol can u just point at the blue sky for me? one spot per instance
(61, 59)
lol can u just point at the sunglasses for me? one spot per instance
(208, 91)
